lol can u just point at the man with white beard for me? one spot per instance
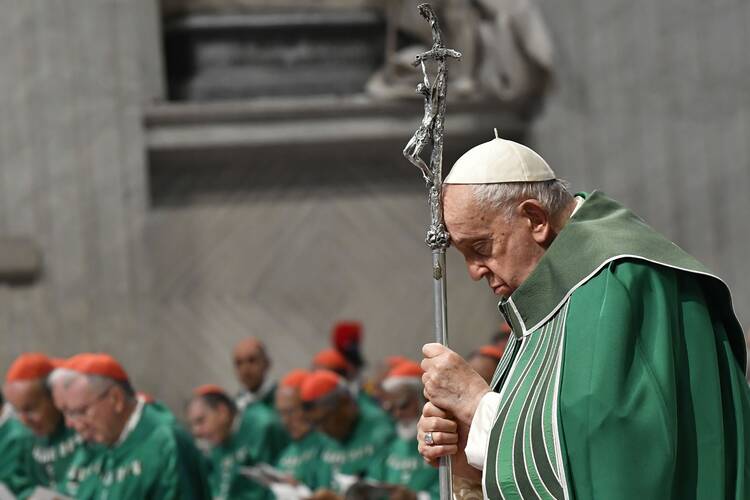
(404, 467)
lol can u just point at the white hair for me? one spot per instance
(553, 195)
(61, 376)
(99, 384)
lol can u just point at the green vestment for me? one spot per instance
(154, 461)
(404, 466)
(15, 447)
(269, 438)
(365, 445)
(240, 450)
(624, 376)
(301, 460)
(51, 457)
(369, 405)
(162, 412)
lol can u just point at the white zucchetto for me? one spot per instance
(499, 161)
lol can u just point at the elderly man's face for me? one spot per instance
(94, 412)
(291, 412)
(212, 425)
(404, 404)
(502, 251)
(251, 363)
(33, 404)
(333, 418)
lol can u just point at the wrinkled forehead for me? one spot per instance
(464, 217)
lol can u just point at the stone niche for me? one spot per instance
(240, 49)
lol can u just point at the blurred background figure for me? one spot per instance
(402, 465)
(357, 437)
(141, 456)
(374, 384)
(15, 444)
(251, 363)
(346, 338)
(232, 443)
(332, 360)
(301, 459)
(255, 402)
(54, 445)
(485, 359)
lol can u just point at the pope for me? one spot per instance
(624, 375)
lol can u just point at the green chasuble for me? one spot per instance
(52, 456)
(226, 461)
(15, 447)
(368, 405)
(404, 466)
(365, 445)
(301, 460)
(155, 460)
(267, 437)
(624, 376)
(162, 412)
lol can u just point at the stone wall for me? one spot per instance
(653, 107)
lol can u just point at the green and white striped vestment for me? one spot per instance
(624, 376)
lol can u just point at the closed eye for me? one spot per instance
(483, 248)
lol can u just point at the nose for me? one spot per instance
(476, 270)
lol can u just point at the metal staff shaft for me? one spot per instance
(440, 301)
(440, 298)
(438, 239)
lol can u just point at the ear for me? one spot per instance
(118, 398)
(538, 221)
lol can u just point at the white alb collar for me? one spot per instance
(132, 422)
(247, 398)
(6, 413)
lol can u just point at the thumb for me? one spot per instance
(433, 349)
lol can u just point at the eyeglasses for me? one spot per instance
(83, 411)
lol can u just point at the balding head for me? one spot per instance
(251, 363)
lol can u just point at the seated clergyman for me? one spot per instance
(232, 443)
(301, 458)
(357, 437)
(402, 466)
(141, 454)
(54, 446)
